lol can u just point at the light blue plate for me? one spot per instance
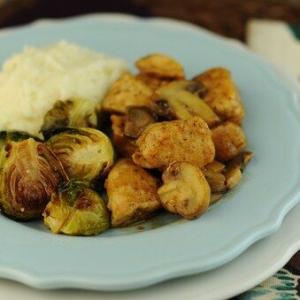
(133, 258)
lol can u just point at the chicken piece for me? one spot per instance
(222, 95)
(124, 145)
(132, 193)
(161, 66)
(180, 100)
(229, 140)
(126, 91)
(181, 140)
(153, 82)
(185, 190)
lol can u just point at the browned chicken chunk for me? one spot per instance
(132, 193)
(222, 95)
(153, 82)
(229, 140)
(126, 91)
(160, 65)
(181, 140)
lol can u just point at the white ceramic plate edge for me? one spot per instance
(252, 267)
(269, 226)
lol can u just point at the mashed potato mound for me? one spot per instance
(30, 82)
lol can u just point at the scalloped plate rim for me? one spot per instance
(183, 267)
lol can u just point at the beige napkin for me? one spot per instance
(278, 42)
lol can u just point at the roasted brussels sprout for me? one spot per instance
(229, 140)
(75, 112)
(11, 136)
(221, 94)
(132, 193)
(185, 190)
(161, 66)
(181, 100)
(181, 140)
(15, 136)
(126, 91)
(76, 210)
(85, 153)
(30, 173)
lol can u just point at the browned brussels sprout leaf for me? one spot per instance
(29, 174)
(75, 112)
(86, 153)
(76, 210)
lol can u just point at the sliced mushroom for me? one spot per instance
(180, 100)
(132, 193)
(221, 94)
(216, 181)
(241, 160)
(185, 190)
(161, 66)
(233, 177)
(235, 168)
(229, 140)
(126, 91)
(215, 166)
(181, 140)
(137, 119)
(124, 145)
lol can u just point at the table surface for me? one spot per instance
(218, 16)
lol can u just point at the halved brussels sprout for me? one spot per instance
(86, 153)
(11, 136)
(15, 136)
(30, 173)
(76, 210)
(181, 100)
(76, 112)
